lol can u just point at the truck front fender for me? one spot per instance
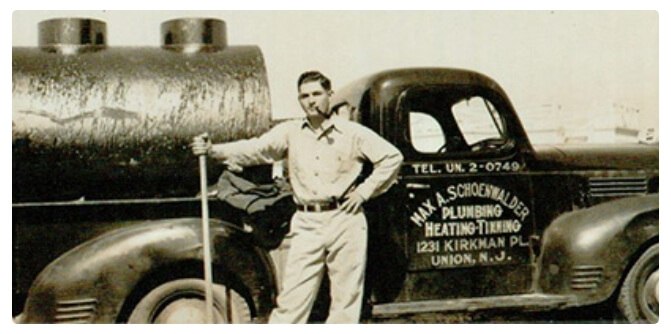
(91, 282)
(585, 253)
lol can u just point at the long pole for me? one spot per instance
(207, 250)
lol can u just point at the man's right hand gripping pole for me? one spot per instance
(201, 145)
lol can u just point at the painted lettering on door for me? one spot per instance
(468, 224)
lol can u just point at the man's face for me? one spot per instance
(314, 99)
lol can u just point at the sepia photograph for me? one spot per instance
(335, 166)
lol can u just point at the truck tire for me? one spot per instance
(183, 301)
(638, 301)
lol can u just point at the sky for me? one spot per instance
(577, 59)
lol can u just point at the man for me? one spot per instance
(328, 231)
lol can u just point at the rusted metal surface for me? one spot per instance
(194, 34)
(72, 35)
(116, 123)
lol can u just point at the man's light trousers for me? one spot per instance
(333, 242)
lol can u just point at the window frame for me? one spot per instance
(497, 101)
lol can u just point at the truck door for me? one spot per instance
(468, 215)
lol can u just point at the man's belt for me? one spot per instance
(318, 206)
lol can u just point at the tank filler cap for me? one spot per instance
(190, 35)
(72, 35)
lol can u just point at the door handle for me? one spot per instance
(413, 185)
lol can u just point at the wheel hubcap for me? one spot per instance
(185, 311)
(651, 290)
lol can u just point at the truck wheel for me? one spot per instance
(183, 302)
(639, 296)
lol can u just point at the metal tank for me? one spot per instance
(96, 122)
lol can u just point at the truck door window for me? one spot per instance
(426, 134)
(451, 120)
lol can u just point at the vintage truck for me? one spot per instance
(478, 219)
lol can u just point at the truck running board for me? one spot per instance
(526, 301)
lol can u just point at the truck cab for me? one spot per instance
(488, 220)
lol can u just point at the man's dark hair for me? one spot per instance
(310, 76)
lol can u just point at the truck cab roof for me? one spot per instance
(391, 81)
